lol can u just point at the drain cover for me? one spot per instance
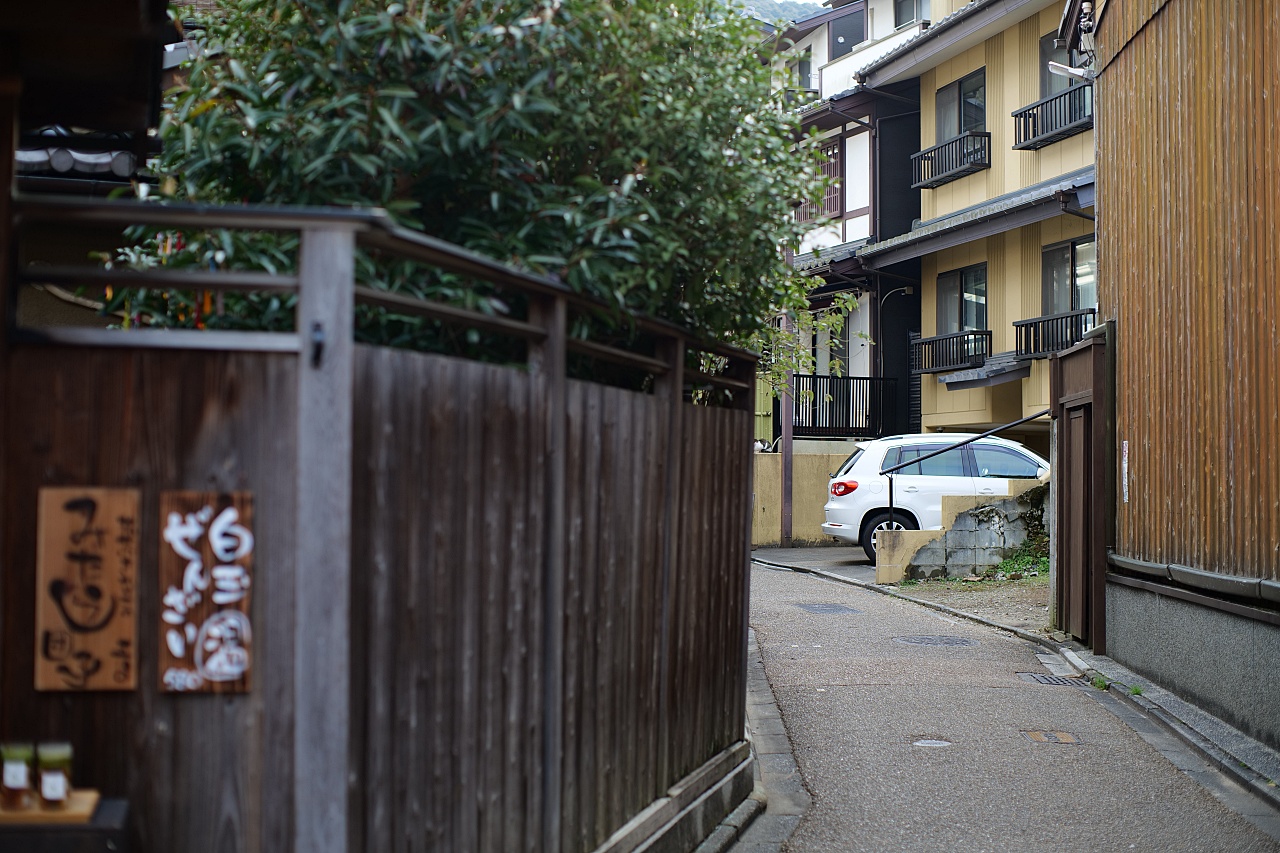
(1041, 678)
(926, 640)
(827, 609)
(1051, 737)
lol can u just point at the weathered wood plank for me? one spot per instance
(157, 421)
(322, 620)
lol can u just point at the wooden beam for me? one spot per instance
(322, 614)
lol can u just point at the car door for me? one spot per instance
(919, 488)
(996, 466)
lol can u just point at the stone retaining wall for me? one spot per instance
(977, 533)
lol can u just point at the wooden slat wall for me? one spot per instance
(448, 596)
(706, 668)
(449, 531)
(1189, 257)
(613, 590)
(447, 604)
(200, 772)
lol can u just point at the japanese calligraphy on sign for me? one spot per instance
(86, 578)
(206, 575)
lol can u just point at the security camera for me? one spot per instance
(1083, 74)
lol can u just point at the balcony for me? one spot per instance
(963, 155)
(951, 352)
(841, 406)
(1053, 118)
(1043, 336)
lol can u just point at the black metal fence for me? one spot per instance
(1042, 336)
(962, 155)
(842, 406)
(1053, 118)
(951, 352)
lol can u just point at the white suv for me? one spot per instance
(858, 495)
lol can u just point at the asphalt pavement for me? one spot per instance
(882, 725)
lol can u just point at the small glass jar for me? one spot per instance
(15, 793)
(54, 760)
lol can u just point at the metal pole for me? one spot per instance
(787, 402)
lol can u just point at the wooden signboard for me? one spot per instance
(206, 573)
(86, 604)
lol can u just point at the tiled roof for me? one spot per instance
(987, 210)
(60, 151)
(823, 257)
(935, 29)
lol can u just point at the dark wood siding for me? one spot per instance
(200, 772)
(1189, 261)
(449, 668)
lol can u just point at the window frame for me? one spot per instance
(960, 277)
(1052, 84)
(832, 206)
(1047, 307)
(919, 12)
(923, 448)
(950, 97)
(1002, 451)
(801, 70)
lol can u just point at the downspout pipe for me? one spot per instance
(1062, 195)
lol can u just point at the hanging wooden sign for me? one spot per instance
(86, 574)
(206, 575)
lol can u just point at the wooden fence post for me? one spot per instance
(547, 362)
(322, 599)
(670, 387)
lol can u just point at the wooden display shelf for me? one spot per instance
(79, 809)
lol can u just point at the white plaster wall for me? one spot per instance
(837, 76)
(857, 228)
(859, 325)
(822, 238)
(857, 170)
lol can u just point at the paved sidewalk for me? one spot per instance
(949, 743)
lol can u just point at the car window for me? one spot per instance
(1002, 462)
(849, 463)
(949, 464)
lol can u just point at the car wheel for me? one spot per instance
(878, 522)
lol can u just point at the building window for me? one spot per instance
(848, 31)
(832, 196)
(1052, 84)
(802, 72)
(1070, 276)
(962, 300)
(909, 11)
(962, 106)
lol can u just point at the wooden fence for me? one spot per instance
(494, 608)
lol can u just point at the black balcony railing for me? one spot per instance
(951, 352)
(842, 406)
(1043, 336)
(965, 154)
(1053, 118)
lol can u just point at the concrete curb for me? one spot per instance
(1221, 756)
(732, 827)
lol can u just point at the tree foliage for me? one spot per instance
(631, 149)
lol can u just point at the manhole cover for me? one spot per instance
(1051, 737)
(827, 609)
(936, 641)
(931, 742)
(1041, 678)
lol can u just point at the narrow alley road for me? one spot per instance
(917, 731)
